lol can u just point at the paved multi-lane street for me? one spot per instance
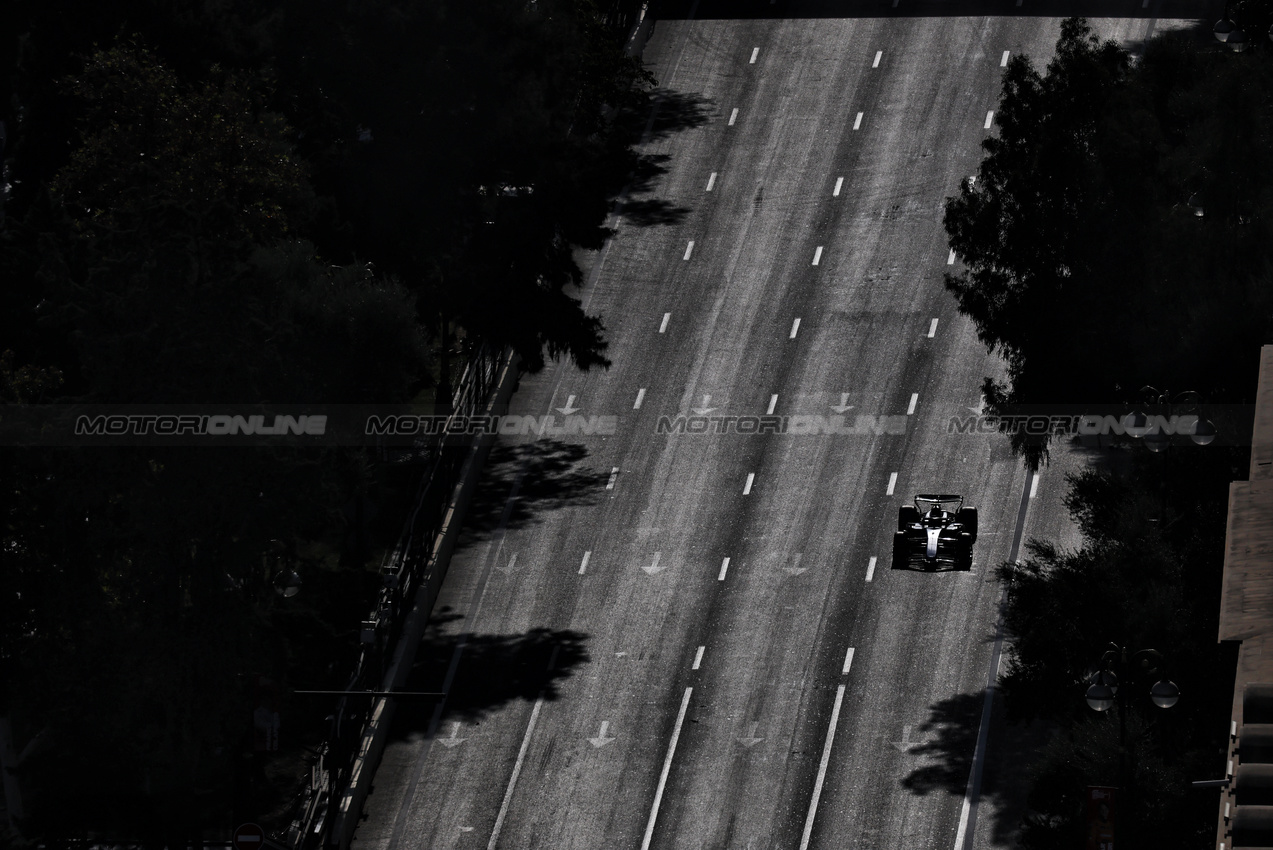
(658, 637)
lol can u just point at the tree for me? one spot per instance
(1086, 267)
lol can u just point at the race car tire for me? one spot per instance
(899, 549)
(968, 518)
(907, 515)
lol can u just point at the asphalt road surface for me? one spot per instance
(657, 638)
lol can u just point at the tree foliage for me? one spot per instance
(1086, 265)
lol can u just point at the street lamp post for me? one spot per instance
(1102, 693)
(1230, 34)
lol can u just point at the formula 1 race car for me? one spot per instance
(937, 531)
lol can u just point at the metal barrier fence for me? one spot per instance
(401, 573)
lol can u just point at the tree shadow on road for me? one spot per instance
(490, 671)
(547, 474)
(950, 740)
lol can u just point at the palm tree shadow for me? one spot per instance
(483, 673)
(523, 480)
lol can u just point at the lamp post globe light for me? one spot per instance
(1231, 35)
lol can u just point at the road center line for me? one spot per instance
(640, 397)
(724, 568)
(614, 473)
(857, 122)
(755, 51)
(932, 329)
(751, 476)
(773, 402)
(795, 327)
(990, 117)
(666, 318)
(817, 255)
(689, 249)
(1003, 63)
(667, 767)
(910, 409)
(733, 116)
(870, 569)
(584, 565)
(878, 54)
(839, 182)
(698, 657)
(822, 769)
(711, 181)
(892, 482)
(517, 769)
(1034, 485)
(848, 662)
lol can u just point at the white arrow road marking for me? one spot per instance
(654, 567)
(569, 408)
(843, 406)
(751, 740)
(906, 744)
(508, 568)
(601, 740)
(453, 741)
(704, 410)
(795, 569)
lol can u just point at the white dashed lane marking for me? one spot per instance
(839, 182)
(755, 51)
(857, 122)
(751, 477)
(795, 328)
(892, 483)
(733, 116)
(583, 565)
(711, 181)
(932, 329)
(666, 318)
(724, 568)
(990, 117)
(640, 397)
(878, 54)
(689, 249)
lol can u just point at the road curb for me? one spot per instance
(376, 733)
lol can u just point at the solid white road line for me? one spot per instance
(773, 402)
(878, 54)
(698, 657)
(689, 249)
(711, 181)
(826, 758)
(639, 399)
(848, 662)
(614, 473)
(517, 769)
(870, 569)
(666, 318)
(795, 327)
(584, 565)
(857, 122)
(817, 255)
(932, 329)
(990, 117)
(667, 767)
(910, 409)
(1003, 63)
(733, 116)
(950, 261)
(839, 182)
(892, 482)
(724, 568)
(755, 51)
(751, 476)
(1034, 485)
